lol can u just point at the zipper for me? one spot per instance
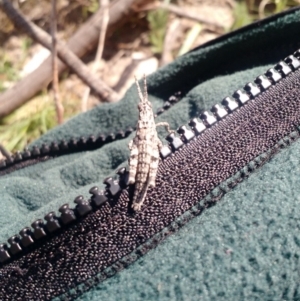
(55, 149)
(103, 235)
(33, 155)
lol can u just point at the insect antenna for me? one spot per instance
(139, 89)
(145, 88)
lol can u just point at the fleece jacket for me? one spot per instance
(247, 246)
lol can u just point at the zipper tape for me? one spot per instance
(209, 201)
(59, 253)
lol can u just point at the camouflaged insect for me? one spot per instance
(144, 150)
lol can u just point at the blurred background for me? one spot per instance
(135, 38)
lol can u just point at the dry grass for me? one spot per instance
(152, 38)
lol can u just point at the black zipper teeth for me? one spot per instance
(228, 105)
(99, 238)
(209, 201)
(46, 151)
(53, 225)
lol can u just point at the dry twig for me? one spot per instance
(261, 8)
(169, 41)
(190, 38)
(181, 12)
(104, 6)
(87, 34)
(67, 56)
(3, 152)
(58, 105)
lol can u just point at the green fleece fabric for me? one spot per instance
(247, 246)
(34, 191)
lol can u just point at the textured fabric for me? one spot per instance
(247, 246)
(34, 191)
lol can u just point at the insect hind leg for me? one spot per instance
(153, 168)
(133, 161)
